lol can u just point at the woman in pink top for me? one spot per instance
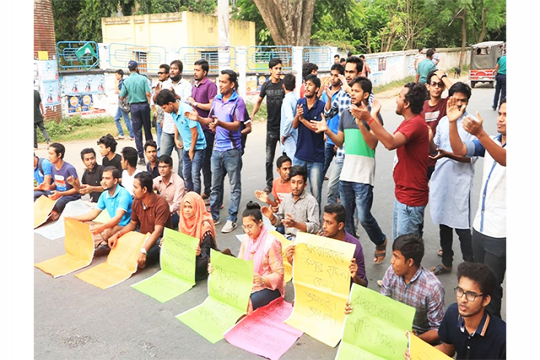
(265, 251)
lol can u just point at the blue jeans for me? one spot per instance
(333, 181)
(263, 297)
(500, 90)
(329, 154)
(167, 146)
(226, 162)
(159, 130)
(352, 193)
(289, 147)
(315, 176)
(407, 219)
(192, 170)
(121, 113)
(140, 117)
(38, 193)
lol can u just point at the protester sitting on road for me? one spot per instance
(107, 148)
(117, 201)
(281, 186)
(195, 221)
(408, 282)
(334, 227)
(42, 177)
(170, 186)
(91, 179)
(299, 209)
(129, 166)
(150, 212)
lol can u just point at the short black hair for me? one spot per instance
(314, 79)
(108, 141)
(253, 210)
(339, 68)
(151, 143)
(503, 101)
(166, 159)
(338, 210)
(479, 273)
(431, 74)
(166, 67)
(114, 171)
(130, 155)
(87, 151)
(411, 246)
(416, 96)
(282, 159)
(298, 170)
(364, 82)
(342, 60)
(233, 77)
(179, 64)
(289, 80)
(336, 56)
(356, 60)
(307, 68)
(362, 57)
(204, 64)
(165, 96)
(273, 62)
(120, 72)
(146, 180)
(460, 87)
(59, 149)
(430, 53)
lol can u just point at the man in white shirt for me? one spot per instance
(129, 167)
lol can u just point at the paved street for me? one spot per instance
(75, 320)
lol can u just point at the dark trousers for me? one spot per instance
(329, 153)
(263, 297)
(271, 143)
(206, 168)
(492, 252)
(41, 127)
(465, 239)
(140, 118)
(500, 90)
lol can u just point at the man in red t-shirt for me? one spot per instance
(411, 141)
(281, 186)
(435, 108)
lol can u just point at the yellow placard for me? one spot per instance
(120, 265)
(322, 280)
(421, 350)
(79, 246)
(43, 55)
(103, 217)
(42, 209)
(287, 268)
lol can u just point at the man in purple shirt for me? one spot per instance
(227, 115)
(202, 95)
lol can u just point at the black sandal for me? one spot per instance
(380, 253)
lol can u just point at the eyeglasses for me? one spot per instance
(471, 296)
(161, 72)
(248, 227)
(434, 84)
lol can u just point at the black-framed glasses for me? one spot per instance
(471, 296)
(161, 72)
(434, 84)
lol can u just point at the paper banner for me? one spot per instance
(56, 229)
(103, 217)
(284, 245)
(229, 289)
(42, 208)
(177, 273)
(43, 55)
(421, 350)
(120, 265)
(79, 246)
(321, 279)
(263, 332)
(376, 328)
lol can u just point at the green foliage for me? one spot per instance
(78, 128)
(247, 10)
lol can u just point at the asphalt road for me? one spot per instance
(75, 320)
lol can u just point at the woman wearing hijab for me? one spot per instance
(195, 221)
(265, 251)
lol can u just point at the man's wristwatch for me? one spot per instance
(195, 104)
(143, 250)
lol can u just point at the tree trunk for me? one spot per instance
(289, 21)
(483, 32)
(463, 35)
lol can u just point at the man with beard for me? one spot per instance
(138, 91)
(202, 94)
(91, 179)
(467, 328)
(310, 145)
(150, 150)
(358, 173)
(273, 88)
(117, 201)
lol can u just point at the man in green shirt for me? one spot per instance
(500, 77)
(424, 67)
(138, 91)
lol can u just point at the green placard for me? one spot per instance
(82, 52)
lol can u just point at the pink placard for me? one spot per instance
(264, 332)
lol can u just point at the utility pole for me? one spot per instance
(223, 35)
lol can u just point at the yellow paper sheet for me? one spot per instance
(103, 217)
(79, 247)
(120, 265)
(42, 208)
(43, 55)
(421, 350)
(284, 245)
(321, 279)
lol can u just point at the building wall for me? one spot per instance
(44, 40)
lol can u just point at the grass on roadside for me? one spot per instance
(79, 128)
(261, 115)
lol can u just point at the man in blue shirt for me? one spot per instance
(42, 177)
(117, 200)
(310, 145)
(288, 135)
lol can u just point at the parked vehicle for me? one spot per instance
(484, 57)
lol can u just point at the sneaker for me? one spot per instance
(217, 222)
(229, 226)
(141, 162)
(131, 138)
(119, 138)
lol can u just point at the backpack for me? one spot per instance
(124, 104)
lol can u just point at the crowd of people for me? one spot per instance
(436, 146)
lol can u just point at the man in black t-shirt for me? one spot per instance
(107, 147)
(91, 179)
(273, 88)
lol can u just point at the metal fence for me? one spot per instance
(189, 54)
(148, 57)
(77, 55)
(322, 56)
(259, 56)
